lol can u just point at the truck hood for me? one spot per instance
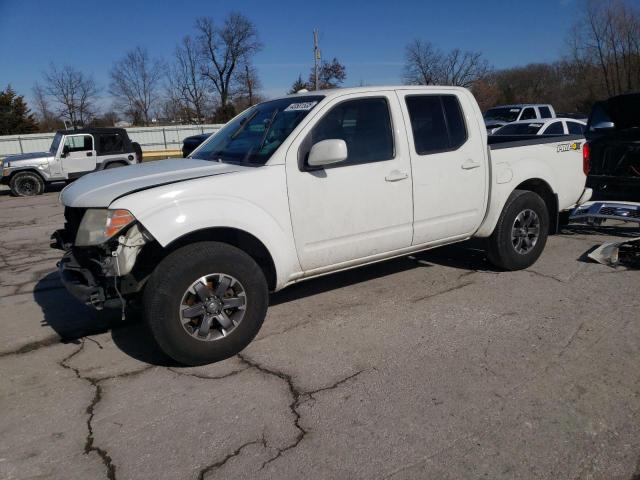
(29, 157)
(100, 189)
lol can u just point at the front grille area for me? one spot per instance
(73, 217)
(620, 211)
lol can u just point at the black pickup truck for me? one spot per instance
(613, 148)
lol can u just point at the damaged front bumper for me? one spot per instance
(84, 285)
(101, 276)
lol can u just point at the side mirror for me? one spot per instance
(65, 151)
(327, 152)
(603, 126)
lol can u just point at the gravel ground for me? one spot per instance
(433, 366)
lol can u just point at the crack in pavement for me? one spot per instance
(89, 445)
(235, 453)
(32, 346)
(544, 275)
(207, 377)
(436, 294)
(572, 337)
(297, 398)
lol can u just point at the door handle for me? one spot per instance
(470, 164)
(89, 154)
(396, 175)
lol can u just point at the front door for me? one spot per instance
(78, 154)
(361, 207)
(449, 163)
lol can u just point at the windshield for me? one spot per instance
(519, 129)
(504, 114)
(56, 143)
(252, 137)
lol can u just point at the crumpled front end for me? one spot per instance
(101, 274)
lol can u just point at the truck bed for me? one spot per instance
(496, 142)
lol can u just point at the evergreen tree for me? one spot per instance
(15, 116)
(297, 86)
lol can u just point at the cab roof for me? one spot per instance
(334, 92)
(95, 130)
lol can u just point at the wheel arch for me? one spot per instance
(119, 161)
(28, 170)
(238, 238)
(529, 177)
(544, 190)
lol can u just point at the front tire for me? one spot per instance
(26, 184)
(205, 302)
(521, 233)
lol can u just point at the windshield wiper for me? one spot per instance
(262, 140)
(243, 123)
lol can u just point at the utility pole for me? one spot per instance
(316, 58)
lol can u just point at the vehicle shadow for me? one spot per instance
(73, 321)
(465, 256)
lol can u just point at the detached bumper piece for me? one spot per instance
(596, 212)
(80, 282)
(615, 254)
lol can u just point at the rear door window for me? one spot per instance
(556, 128)
(437, 123)
(455, 121)
(110, 143)
(575, 128)
(545, 112)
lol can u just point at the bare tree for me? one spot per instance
(427, 65)
(74, 92)
(247, 85)
(47, 120)
(186, 81)
(224, 48)
(463, 69)
(423, 63)
(135, 84)
(608, 35)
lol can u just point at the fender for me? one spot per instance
(172, 211)
(505, 178)
(123, 160)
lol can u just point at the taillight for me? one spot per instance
(586, 157)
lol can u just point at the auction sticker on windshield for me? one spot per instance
(302, 106)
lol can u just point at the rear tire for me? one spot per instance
(26, 184)
(170, 292)
(521, 233)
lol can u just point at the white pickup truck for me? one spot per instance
(303, 186)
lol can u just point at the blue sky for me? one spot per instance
(367, 36)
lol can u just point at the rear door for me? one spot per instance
(361, 207)
(80, 154)
(449, 163)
